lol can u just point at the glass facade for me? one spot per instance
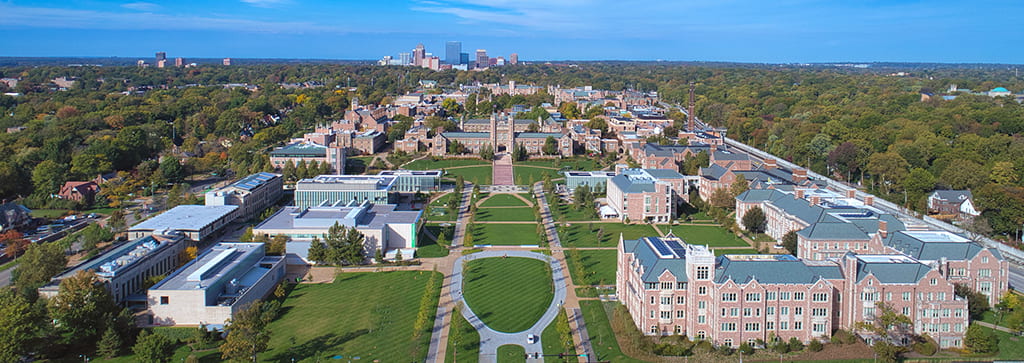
(312, 198)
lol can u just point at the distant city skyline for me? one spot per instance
(730, 30)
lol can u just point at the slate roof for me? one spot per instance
(833, 231)
(930, 251)
(300, 149)
(466, 135)
(896, 271)
(773, 269)
(725, 155)
(714, 171)
(626, 185)
(539, 135)
(654, 266)
(664, 173)
(953, 195)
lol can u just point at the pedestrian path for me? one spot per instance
(502, 170)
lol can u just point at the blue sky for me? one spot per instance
(702, 30)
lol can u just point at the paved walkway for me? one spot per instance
(442, 318)
(576, 325)
(502, 171)
(996, 327)
(491, 339)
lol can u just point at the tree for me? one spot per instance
(247, 333)
(277, 245)
(21, 322)
(754, 220)
(739, 186)
(1003, 173)
(847, 158)
(172, 170)
(550, 146)
(48, 176)
(288, 171)
(153, 348)
(15, 243)
(247, 235)
(82, 308)
(456, 147)
(978, 340)
(110, 344)
(302, 170)
(569, 110)
(86, 166)
(918, 182)
(317, 251)
(889, 167)
(487, 152)
(39, 263)
(887, 325)
(451, 107)
(722, 198)
(977, 303)
(789, 241)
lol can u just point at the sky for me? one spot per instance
(757, 31)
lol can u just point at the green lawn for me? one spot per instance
(355, 165)
(593, 291)
(182, 352)
(1011, 347)
(369, 315)
(551, 342)
(527, 175)
(49, 213)
(584, 234)
(504, 200)
(598, 267)
(436, 210)
(578, 163)
(469, 349)
(103, 211)
(474, 174)
(428, 164)
(508, 294)
(511, 353)
(713, 236)
(524, 214)
(505, 234)
(735, 251)
(602, 338)
(436, 229)
(569, 213)
(429, 248)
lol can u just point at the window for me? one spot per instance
(652, 299)
(746, 312)
(984, 272)
(652, 314)
(701, 335)
(798, 325)
(784, 310)
(770, 296)
(818, 328)
(753, 297)
(798, 296)
(869, 313)
(752, 327)
(888, 296)
(906, 296)
(769, 325)
(784, 296)
(666, 315)
(666, 286)
(701, 320)
(819, 312)
(729, 296)
(164, 300)
(728, 326)
(906, 311)
(934, 282)
(734, 312)
(783, 325)
(984, 259)
(703, 272)
(666, 300)
(985, 287)
(680, 300)
(819, 297)
(654, 329)
(942, 296)
(701, 304)
(680, 314)
(650, 286)
(958, 327)
(798, 311)
(769, 310)
(725, 312)
(703, 290)
(679, 329)
(680, 286)
(728, 343)
(958, 313)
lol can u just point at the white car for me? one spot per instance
(530, 339)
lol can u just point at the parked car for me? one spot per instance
(530, 339)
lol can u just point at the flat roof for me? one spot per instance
(254, 181)
(403, 172)
(185, 218)
(210, 267)
(375, 216)
(936, 236)
(359, 182)
(603, 174)
(119, 259)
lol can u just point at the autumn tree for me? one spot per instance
(247, 332)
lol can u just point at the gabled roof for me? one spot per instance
(626, 185)
(833, 231)
(891, 269)
(957, 196)
(932, 245)
(714, 171)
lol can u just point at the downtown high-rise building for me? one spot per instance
(464, 58)
(161, 56)
(513, 58)
(405, 58)
(482, 61)
(452, 50)
(418, 54)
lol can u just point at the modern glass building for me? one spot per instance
(452, 52)
(328, 190)
(415, 180)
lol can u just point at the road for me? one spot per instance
(1016, 277)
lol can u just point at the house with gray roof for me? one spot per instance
(958, 204)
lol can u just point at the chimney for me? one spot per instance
(799, 175)
(799, 194)
(883, 228)
(852, 193)
(713, 147)
(690, 116)
(770, 164)
(869, 200)
(815, 200)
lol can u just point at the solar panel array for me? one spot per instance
(253, 181)
(663, 250)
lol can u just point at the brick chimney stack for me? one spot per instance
(799, 194)
(852, 193)
(883, 228)
(869, 200)
(799, 175)
(770, 164)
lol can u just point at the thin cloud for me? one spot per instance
(141, 6)
(266, 3)
(21, 16)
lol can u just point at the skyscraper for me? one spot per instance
(451, 52)
(464, 58)
(161, 56)
(514, 58)
(226, 61)
(418, 54)
(405, 58)
(481, 58)
(179, 62)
